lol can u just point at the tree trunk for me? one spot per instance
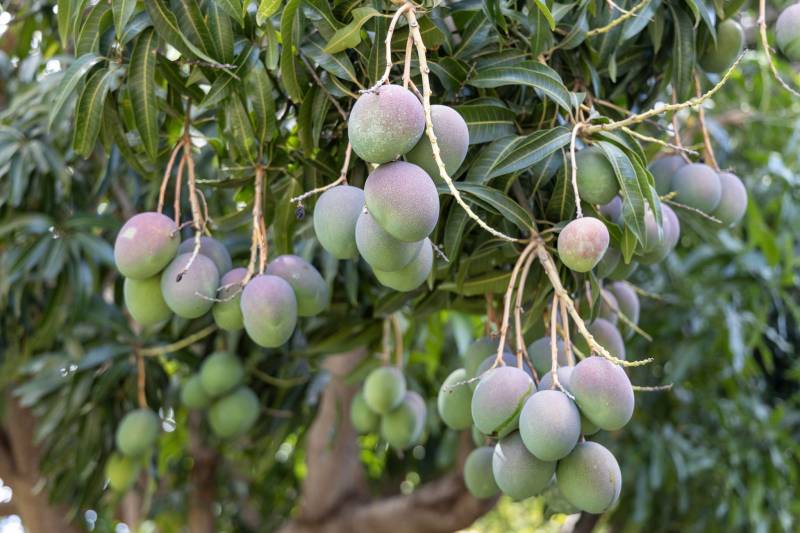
(335, 497)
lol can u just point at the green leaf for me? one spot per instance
(496, 200)
(541, 77)
(377, 53)
(89, 112)
(240, 129)
(494, 282)
(66, 14)
(135, 27)
(511, 154)
(112, 126)
(288, 52)
(193, 23)
(350, 35)
(233, 8)
(166, 25)
(337, 64)
(259, 91)
(633, 196)
(123, 10)
(222, 85)
(683, 54)
(98, 20)
(221, 30)
(142, 88)
(545, 11)
(69, 81)
(487, 122)
(266, 8)
(561, 205)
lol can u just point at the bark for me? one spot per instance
(201, 481)
(19, 468)
(335, 497)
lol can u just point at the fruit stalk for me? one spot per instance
(762, 30)
(711, 160)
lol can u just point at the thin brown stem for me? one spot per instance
(619, 20)
(522, 350)
(398, 341)
(178, 179)
(554, 346)
(709, 149)
(141, 381)
(341, 179)
(165, 180)
(574, 169)
(565, 334)
(507, 301)
(388, 43)
(154, 351)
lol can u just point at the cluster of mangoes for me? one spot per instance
(538, 433)
(218, 387)
(135, 440)
(787, 32)
(389, 221)
(158, 283)
(384, 405)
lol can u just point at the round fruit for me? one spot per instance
(662, 244)
(309, 288)
(787, 32)
(335, 217)
(137, 432)
(228, 311)
(211, 248)
(498, 400)
(698, 186)
(589, 478)
(454, 401)
(364, 419)
(144, 300)
(413, 274)
(564, 375)
(220, 373)
(733, 202)
(509, 359)
(384, 389)
(193, 395)
(718, 57)
(121, 471)
(663, 169)
(269, 310)
(477, 352)
(234, 414)
(608, 306)
(540, 354)
(402, 426)
(628, 304)
(145, 245)
(478, 476)
(517, 472)
(597, 183)
(582, 243)
(603, 393)
(550, 425)
(607, 336)
(612, 210)
(385, 124)
(192, 296)
(452, 136)
(381, 250)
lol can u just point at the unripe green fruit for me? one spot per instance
(384, 389)
(607, 336)
(364, 419)
(478, 476)
(269, 310)
(509, 359)
(234, 414)
(193, 395)
(603, 393)
(582, 243)
(733, 202)
(612, 210)
(211, 248)
(518, 473)
(628, 303)
(220, 373)
(664, 243)
(597, 183)
(564, 375)
(137, 432)
(610, 261)
(402, 426)
(193, 295)
(413, 274)
(452, 136)
(697, 185)
(454, 401)
(476, 353)
(385, 124)
(145, 245)
(499, 398)
(335, 217)
(787, 32)
(540, 354)
(309, 288)
(719, 56)
(590, 478)
(121, 471)
(550, 425)
(663, 169)
(228, 311)
(381, 250)
(144, 300)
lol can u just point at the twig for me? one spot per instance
(389, 33)
(522, 350)
(141, 381)
(167, 172)
(284, 383)
(178, 179)
(385, 351)
(619, 20)
(574, 163)
(565, 334)
(398, 342)
(657, 388)
(258, 218)
(440, 253)
(554, 347)
(646, 138)
(762, 27)
(498, 360)
(694, 210)
(622, 316)
(341, 179)
(491, 315)
(709, 150)
(328, 94)
(178, 345)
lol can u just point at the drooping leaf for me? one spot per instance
(683, 54)
(633, 196)
(541, 77)
(487, 122)
(349, 36)
(223, 84)
(266, 8)
(511, 154)
(122, 10)
(259, 90)
(89, 111)
(233, 8)
(73, 75)
(142, 88)
(98, 20)
(288, 53)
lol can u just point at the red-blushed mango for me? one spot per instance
(385, 124)
(269, 310)
(590, 478)
(309, 288)
(697, 185)
(122, 471)
(402, 426)
(413, 274)
(381, 250)
(498, 400)
(335, 217)
(137, 432)
(607, 336)
(519, 473)
(720, 55)
(663, 169)
(144, 300)
(452, 136)
(665, 241)
(478, 476)
(787, 32)
(145, 245)
(597, 182)
(477, 352)
(550, 425)
(384, 389)
(364, 419)
(221, 372)
(628, 303)
(582, 243)
(454, 401)
(193, 395)
(234, 414)
(733, 202)
(192, 296)
(211, 248)
(541, 355)
(228, 311)
(603, 393)
(403, 199)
